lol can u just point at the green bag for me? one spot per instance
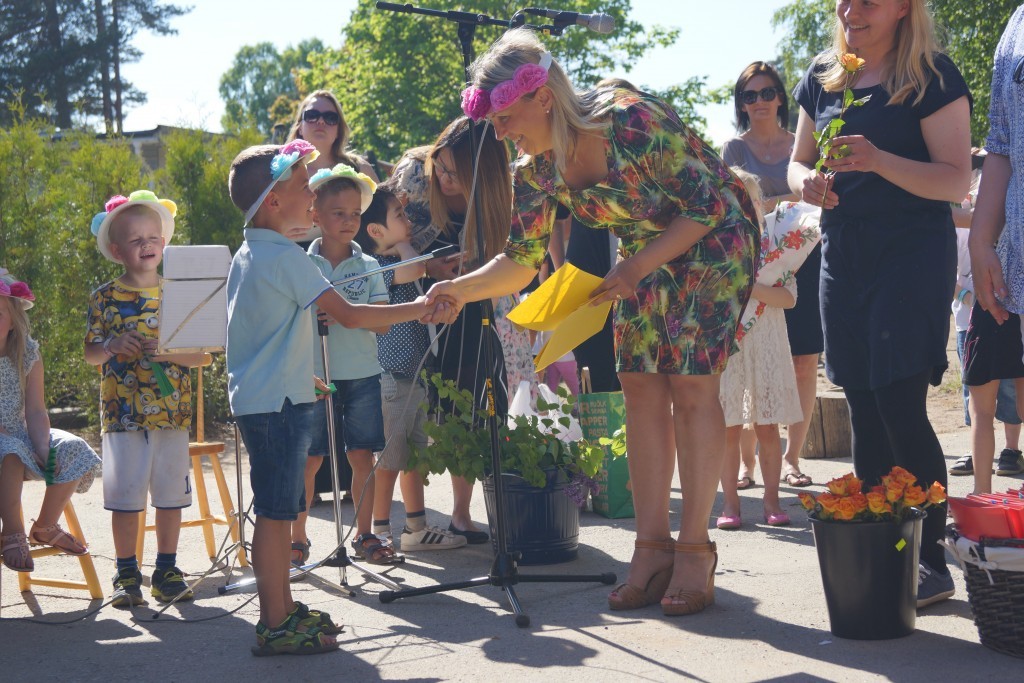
(602, 415)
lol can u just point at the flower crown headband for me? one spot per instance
(364, 182)
(100, 226)
(478, 103)
(281, 169)
(16, 289)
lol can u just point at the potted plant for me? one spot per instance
(546, 477)
(868, 552)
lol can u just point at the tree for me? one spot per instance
(58, 56)
(257, 79)
(968, 30)
(398, 76)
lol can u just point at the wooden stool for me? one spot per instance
(197, 450)
(91, 583)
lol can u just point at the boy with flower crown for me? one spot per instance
(145, 427)
(271, 286)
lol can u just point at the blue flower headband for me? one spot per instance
(281, 169)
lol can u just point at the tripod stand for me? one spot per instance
(504, 572)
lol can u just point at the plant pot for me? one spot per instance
(542, 524)
(869, 572)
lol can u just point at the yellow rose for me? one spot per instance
(807, 500)
(839, 486)
(851, 63)
(878, 504)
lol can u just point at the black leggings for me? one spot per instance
(891, 427)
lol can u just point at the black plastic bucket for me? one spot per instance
(543, 524)
(869, 572)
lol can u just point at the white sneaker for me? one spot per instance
(430, 538)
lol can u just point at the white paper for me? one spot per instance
(193, 304)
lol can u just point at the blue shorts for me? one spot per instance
(358, 420)
(1006, 397)
(277, 444)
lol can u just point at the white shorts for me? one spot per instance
(135, 463)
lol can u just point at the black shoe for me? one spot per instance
(127, 589)
(472, 537)
(1010, 462)
(963, 465)
(169, 584)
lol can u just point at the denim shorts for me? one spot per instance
(277, 444)
(358, 422)
(1006, 397)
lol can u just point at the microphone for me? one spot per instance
(599, 23)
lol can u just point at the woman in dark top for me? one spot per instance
(888, 244)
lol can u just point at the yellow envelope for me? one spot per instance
(550, 304)
(581, 324)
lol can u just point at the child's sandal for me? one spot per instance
(315, 618)
(292, 638)
(55, 537)
(17, 555)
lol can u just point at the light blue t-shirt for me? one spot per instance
(271, 286)
(352, 352)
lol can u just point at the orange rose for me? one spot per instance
(936, 494)
(846, 510)
(894, 491)
(914, 495)
(878, 504)
(807, 500)
(902, 475)
(829, 503)
(851, 63)
(860, 502)
(854, 485)
(840, 486)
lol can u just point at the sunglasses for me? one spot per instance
(766, 94)
(330, 118)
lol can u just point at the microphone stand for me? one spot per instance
(504, 572)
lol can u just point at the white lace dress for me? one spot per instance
(759, 383)
(75, 459)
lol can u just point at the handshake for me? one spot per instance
(442, 303)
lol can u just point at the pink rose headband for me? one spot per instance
(16, 289)
(478, 103)
(281, 169)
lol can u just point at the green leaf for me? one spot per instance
(847, 98)
(862, 101)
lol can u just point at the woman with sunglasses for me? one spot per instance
(320, 121)
(763, 148)
(888, 244)
(623, 161)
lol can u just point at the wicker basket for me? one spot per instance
(997, 604)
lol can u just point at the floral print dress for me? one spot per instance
(683, 317)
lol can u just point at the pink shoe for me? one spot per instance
(729, 522)
(781, 519)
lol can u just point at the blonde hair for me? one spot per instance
(17, 339)
(570, 116)
(911, 67)
(339, 148)
(752, 185)
(493, 188)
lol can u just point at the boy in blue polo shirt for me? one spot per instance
(342, 194)
(271, 286)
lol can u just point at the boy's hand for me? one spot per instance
(323, 390)
(442, 312)
(130, 345)
(324, 319)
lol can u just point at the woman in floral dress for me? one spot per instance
(624, 162)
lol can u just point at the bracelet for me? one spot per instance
(106, 347)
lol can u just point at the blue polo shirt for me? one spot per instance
(352, 352)
(271, 286)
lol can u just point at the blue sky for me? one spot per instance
(180, 73)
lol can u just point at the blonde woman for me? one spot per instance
(623, 161)
(888, 246)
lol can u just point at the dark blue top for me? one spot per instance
(404, 346)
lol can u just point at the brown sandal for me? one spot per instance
(627, 596)
(16, 553)
(57, 538)
(680, 601)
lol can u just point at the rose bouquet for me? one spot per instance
(892, 500)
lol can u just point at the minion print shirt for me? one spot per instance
(130, 399)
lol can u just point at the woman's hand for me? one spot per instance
(817, 191)
(858, 154)
(448, 292)
(620, 283)
(988, 281)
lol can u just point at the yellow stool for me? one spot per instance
(197, 451)
(91, 583)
